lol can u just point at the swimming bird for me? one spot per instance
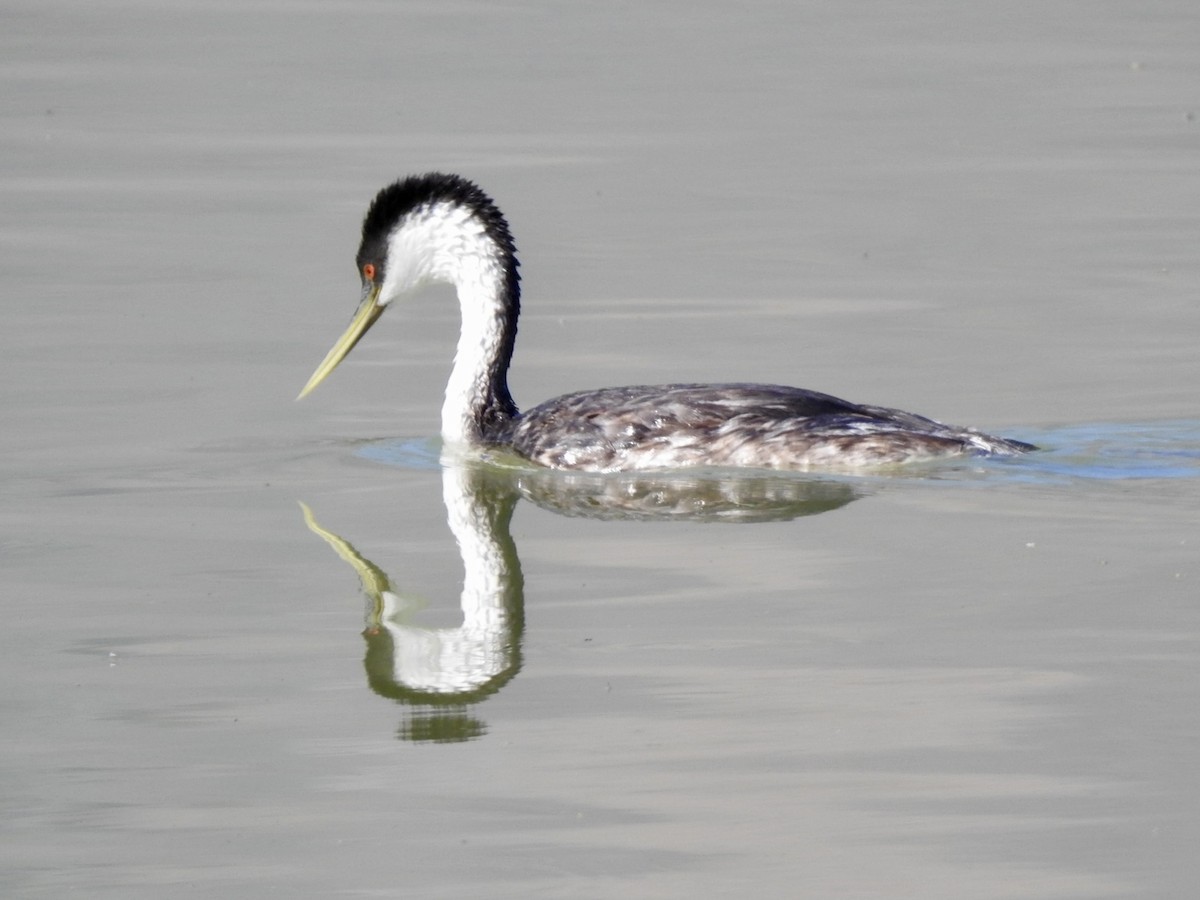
(443, 228)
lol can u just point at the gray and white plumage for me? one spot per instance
(443, 228)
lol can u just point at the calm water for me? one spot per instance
(976, 681)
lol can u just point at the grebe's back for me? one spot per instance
(758, 425)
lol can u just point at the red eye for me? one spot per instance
(369, 271)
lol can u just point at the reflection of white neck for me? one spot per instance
(452, 660)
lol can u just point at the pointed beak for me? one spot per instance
(369, 309)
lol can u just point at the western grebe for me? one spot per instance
(443, 228)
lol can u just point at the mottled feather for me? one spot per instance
(759, 425)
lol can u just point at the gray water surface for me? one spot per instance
(975, 681)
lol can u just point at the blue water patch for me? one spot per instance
(1109, 451)
(423, 454)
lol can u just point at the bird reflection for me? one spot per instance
(439, 674)
(680, 496)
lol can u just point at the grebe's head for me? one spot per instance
(421, 229)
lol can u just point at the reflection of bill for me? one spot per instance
(441, 671)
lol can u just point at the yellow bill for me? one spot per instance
(368, 311)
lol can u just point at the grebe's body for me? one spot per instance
(442, 228)
(758, 425)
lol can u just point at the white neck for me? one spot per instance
(447, 243)
(479, 347)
